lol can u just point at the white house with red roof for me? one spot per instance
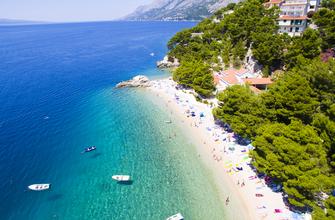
(293, 18)
(241, 76)
(273, 3)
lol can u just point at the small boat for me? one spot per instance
(168, 122)
(177, 216)
(89, 149)
(39, 187)
(152, 54)
(121, 178)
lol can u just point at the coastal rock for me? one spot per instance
(168, 62)
(137, 81)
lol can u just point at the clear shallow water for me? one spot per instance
(57, 96)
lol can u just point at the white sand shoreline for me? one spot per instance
(218, 156)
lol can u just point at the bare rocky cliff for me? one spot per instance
(177, 10)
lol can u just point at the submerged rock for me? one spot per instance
(137, 81)
(168, 62)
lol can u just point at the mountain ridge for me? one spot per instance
(177, 10)
(6, 21)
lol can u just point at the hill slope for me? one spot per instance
(5, 21)
(177, 10)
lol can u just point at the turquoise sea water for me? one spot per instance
(57, 97)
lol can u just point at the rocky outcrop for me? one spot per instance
(251, 64)
(137, 81)
(168, 62)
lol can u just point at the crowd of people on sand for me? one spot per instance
(225, 149)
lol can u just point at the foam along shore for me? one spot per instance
(228, 160)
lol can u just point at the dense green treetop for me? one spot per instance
(241, 109)
(307, 46)
(330, 4)
(292, 126)
(325, 20)
(195, 74)
(293, 154)
(231, 31)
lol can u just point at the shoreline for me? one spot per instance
(220, 153)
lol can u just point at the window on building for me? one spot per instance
(291, 29)
(296, 29)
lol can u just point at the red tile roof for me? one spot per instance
(230, 79)
(275, 1)
(258, 81)
(216, 79)
(235, 71)
(230, 75)
(287, 17)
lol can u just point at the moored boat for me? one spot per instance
(177, 216)
(89, 149)
(39, 187)
(121, 178)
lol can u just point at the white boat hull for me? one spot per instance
(121, 178)
(177, 216)
(39, 187)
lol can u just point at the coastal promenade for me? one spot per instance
(246, 196)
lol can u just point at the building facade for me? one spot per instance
(293, 18)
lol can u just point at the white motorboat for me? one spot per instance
(177, 216)
(39, 187)
(121, 178)
(168, 122)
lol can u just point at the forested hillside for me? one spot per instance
(224, 39)
(292, 125)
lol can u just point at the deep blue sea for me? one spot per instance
(57, 96)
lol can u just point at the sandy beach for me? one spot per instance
(245, 195)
